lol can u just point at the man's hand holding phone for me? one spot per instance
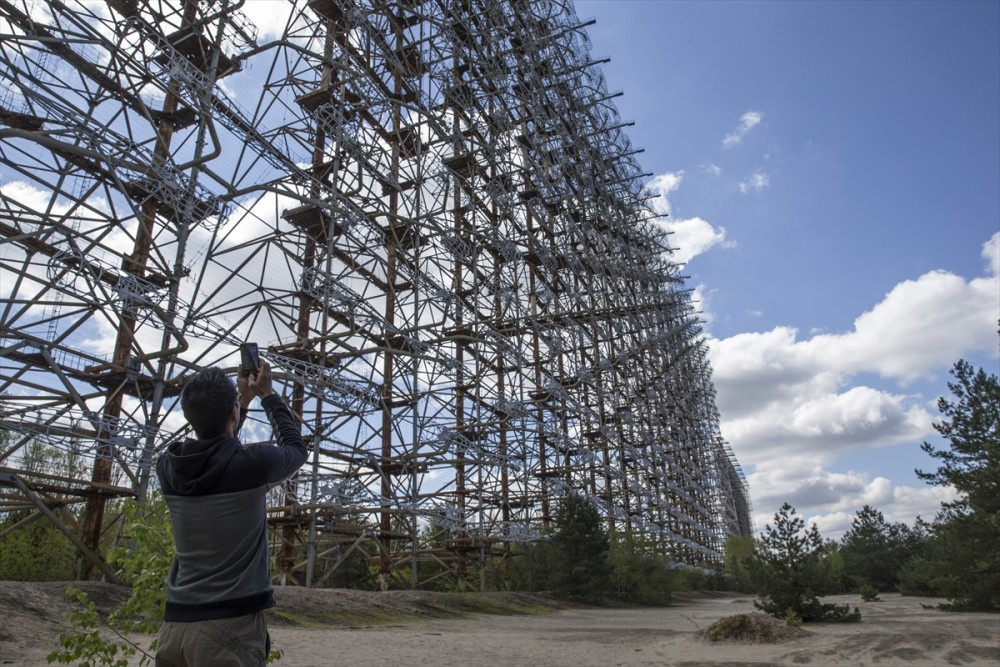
(260, 384)
(249, 359)
(254, 378)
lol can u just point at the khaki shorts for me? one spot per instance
(225, 642)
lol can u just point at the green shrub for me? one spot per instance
(35, 551)
(869, 593)
(143, 562)
(736, 554)
(750, 629)
(581, 546)
(638, 573)
(793, 619)
(790, 569)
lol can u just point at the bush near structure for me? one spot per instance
(790, 569)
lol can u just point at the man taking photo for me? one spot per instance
(216, 491)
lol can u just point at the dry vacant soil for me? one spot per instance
(320, 628)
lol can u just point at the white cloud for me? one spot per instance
(713, 169)
(700, 299)
(919, 327)
(831, 500)
(693, 237)
(910, 502)
(790, 408)
(991, 253)
(748, 121)
(690, 237)
(752, 369)
(807, 487)
(663, 185)
(756, 182)
(778, 422)
(270, 17)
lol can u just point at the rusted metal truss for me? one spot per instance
(429, 216)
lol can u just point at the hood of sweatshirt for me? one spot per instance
(192, 467)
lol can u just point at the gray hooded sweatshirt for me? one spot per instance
(216, 492)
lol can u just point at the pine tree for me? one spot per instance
(972, 426)
(581, 546)
(875, 550)
(963, 561)
(790, 571)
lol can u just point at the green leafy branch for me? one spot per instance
(143, 560)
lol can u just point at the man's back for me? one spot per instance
(220, 537)
(216, 491)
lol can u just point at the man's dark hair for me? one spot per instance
(207, 400)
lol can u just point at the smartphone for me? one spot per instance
(249, 359)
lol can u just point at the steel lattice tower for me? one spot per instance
(428, 214)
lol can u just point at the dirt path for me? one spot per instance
(895, 631)
(361, 629)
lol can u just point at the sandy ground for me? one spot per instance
(334, 627)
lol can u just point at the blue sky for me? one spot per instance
(832, 174)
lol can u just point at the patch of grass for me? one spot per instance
(283, 617)
(533, 610)
(484, 603)
(477, 604)
(404, 609)
(750, 629)
(869, 593)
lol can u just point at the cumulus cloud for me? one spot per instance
(748, 121)
(831, 499)
(662, 185)
(808, 486)
(693, 237)
(822, 424)
(790, 407)
(700, 297)
(690, 237)
(713, 169)
(920, 326)
(991, 253)
(270, 17)
(755, 182)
